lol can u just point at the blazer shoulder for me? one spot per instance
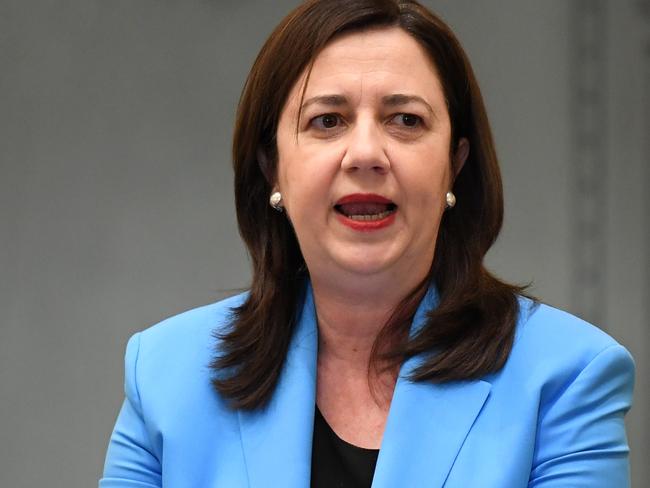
(207, 319)
(548, 338)
(547, 325)
(174, 355)
(184, 341)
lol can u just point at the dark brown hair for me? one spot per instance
(472, 328)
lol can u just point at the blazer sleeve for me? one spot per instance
(130, 460)
(581, 438)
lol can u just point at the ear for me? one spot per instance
(460, 156)
(265, 167)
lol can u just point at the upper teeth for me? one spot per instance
(378, 216)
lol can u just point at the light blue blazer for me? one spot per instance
(551, 418)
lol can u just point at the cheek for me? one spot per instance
(306, 177)
(302, 190)
(425, 184)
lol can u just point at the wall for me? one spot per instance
(116, 202)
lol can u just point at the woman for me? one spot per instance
(373, 346)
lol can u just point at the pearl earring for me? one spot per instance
(451, 199)
(276, 201)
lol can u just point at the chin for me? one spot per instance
(366, 265)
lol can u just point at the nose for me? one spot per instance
(365, 149)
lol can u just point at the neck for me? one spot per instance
(350, 317)
(347, 329)
(349, 321)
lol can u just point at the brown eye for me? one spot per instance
(326, 121)
(407, 120)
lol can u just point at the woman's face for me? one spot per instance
(364, 179)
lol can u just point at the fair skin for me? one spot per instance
(373, 121)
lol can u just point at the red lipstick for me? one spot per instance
(365, 212)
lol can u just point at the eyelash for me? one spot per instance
(321, 117)
(419, 120)
(339, 118)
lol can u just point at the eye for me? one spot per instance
(407, 120)
(325, 121)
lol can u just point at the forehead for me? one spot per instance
(378, 59)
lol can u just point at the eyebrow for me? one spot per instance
(399, 99)
(394, 100)
(329, 100)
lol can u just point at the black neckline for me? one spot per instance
(336, 462)
(360, 449)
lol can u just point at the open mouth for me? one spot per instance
(365, 211)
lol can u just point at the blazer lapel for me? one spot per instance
(277, 440)
(426, 424)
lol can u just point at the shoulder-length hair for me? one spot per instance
(472, 328)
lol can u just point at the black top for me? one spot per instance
(336, 463)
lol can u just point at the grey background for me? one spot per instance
(116, 202)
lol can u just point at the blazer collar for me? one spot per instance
(424, 432)
(277, 439)
(427, 423)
